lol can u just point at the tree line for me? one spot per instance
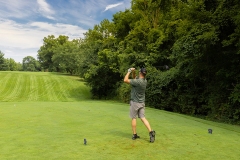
(198, 40)
(29, 63)
(9, 64)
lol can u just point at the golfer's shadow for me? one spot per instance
(128, 135)
(123, 134)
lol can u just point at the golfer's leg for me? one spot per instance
(134, 125)
(146, 123)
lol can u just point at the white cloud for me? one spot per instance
(16, 9)
(25, 38)
(72, 31)
(45, 9)
(112, 6)
(18, 53)
(24, 23)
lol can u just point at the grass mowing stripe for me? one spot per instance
(72, 89)
(43, 91)
(81, 91)
(7, 88)
(62, 92)
(42, 94)
(16, 88)
(4, 84)
(24, 90)
(33, 93)
(3, 75)
(43, 87)
(48, 86)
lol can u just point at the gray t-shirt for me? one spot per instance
(138, 90)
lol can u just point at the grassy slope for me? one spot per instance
(29, 86)
(55, 130)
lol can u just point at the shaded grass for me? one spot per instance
(55, 130)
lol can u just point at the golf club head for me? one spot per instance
(166, 67)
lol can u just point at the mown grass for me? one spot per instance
(55, 130)
(41, 86)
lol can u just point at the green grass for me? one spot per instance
(41, 86)
(55, 130)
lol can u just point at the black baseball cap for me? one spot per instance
(143, 70)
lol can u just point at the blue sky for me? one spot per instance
(24, 23)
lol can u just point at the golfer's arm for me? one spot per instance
(134, 74)
(126, 78)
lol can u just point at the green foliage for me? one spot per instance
(60, 54)
(160, 87)
(67, 57)
(30, 64)
(1, 60)
(102, 73)
(123, 92)
(9, 64)
(199, 40)
(103, 78)
(46, 52)
(123, 22)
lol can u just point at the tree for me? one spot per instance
(30, 64)
(1, 60)
(60, 54)
(46, 52)
(102, 74)
(67, 57)
(199, 40)
(11, 65)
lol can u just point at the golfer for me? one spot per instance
(137, 102)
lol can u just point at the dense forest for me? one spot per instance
(198, 39)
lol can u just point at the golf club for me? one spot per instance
(165, 67)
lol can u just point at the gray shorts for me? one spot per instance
(137, 109)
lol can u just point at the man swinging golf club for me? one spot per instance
(137, 103)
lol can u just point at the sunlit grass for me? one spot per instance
(37, 123)
(55, 130)
(41, 86)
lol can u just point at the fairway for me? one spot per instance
(41, 86)
(52, 125)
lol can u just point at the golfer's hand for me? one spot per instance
(131, 70)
